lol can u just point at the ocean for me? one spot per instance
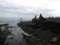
(15, 30)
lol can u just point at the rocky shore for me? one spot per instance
(43, 31)
(39, 36)
(4, 32)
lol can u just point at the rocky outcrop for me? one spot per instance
(42, 30)
(3, 34)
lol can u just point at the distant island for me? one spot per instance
(42, 30)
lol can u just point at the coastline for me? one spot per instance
(38, 37)
(42, 31)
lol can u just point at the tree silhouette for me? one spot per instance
(34, 19)
(41, 18)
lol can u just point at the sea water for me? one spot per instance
(16, 38)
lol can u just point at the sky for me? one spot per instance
(29, 8)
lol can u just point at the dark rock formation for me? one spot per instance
(42, 29)
(3, 34)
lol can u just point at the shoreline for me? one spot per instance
(43, 31)
(37, 35)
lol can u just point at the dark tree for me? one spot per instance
(34, 19)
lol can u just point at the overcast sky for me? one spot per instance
(28, 8)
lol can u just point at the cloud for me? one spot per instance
(29, 8)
